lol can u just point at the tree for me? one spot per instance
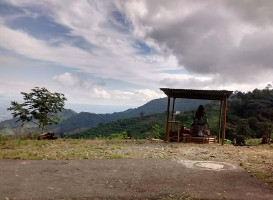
(142, 113)
(40, 107)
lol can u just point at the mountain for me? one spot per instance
(4, 113)
(147, 126)
(72, 122)
(85, 120)
(249, 115)
(11, 127)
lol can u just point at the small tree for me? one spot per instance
(156, 130)
(40, 107)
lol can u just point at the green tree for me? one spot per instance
(40, 107)
(156, 130)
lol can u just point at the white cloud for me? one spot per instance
(79, 89)
(113, 54)
(67, 79)
(227, 47)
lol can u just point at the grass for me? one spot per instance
(253, 142)
(63, 149)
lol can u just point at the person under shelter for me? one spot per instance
(200, 124)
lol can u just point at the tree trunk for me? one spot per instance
(43, 128)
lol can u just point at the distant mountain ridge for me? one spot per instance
(86, 120)
(73, 122)
(11, 127)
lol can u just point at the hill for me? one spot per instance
(250, 115)
(72, 122)
(85, 120)
(147, 126)
(11, 127)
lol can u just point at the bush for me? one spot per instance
(3, 139)
(253, 142)
(122, 135)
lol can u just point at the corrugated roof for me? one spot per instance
(197, 94)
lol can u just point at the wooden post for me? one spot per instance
(224, 120)
(220, 121)
(178, 132)
(167, 137)
(173, 108)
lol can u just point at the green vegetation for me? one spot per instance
(149, 126)
(11, 128)
(40, 107)
(72, 122)
(138, 127)
(250, 115)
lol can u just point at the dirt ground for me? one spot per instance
(128, 179)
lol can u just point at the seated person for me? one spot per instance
(200, 123)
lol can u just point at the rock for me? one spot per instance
(47, 136)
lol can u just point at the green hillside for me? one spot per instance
(250, 115)
(147, 126)
(72, 122)
(85, 120)
(12, 127)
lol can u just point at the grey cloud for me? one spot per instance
(253, 11)
(230, 40)
(189, 83)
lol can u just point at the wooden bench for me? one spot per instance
(205, 139)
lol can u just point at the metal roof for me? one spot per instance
(197, 94)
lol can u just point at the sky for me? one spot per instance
(115, 54)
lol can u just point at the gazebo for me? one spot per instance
(221, 95)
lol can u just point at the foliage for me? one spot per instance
(250, 114)
(137, 127)
(147, 126)
(76, 123)
(40, 107)
(253, 142)
(122, 135)
(156, 131)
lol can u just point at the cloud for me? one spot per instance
(77, 88)
(113, 53)
(142, 45)
(232, 42)
(67, 79)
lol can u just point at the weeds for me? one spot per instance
(115, 156)
(253, 142)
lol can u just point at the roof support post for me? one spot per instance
(167, 137)
(173, 109)
(224, 120)
(220, 121)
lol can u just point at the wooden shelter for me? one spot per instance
(221, 95)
